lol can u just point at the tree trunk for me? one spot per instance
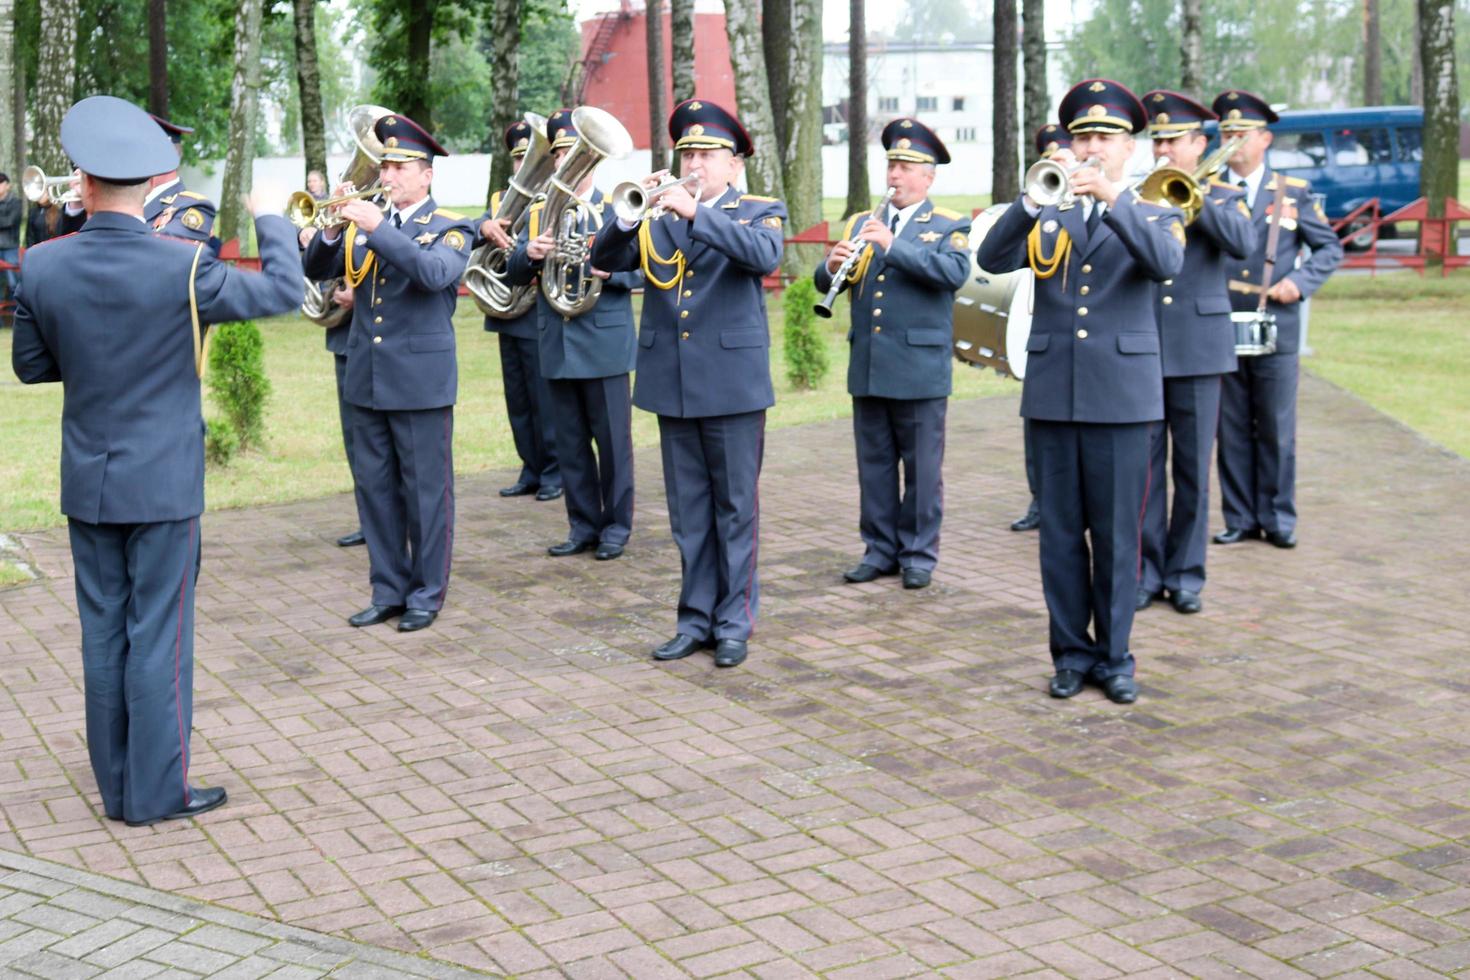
(858, 196)
(1372, 55)
(753, 96)
(505, 87)
(801, 143)
(681, 26)
(1440, 176)
(9, 159)
(1005, 179)
(234, 221)
(658, 105)
(309, 88)
(778, 40)
(158, 57)
(19, 113)
(56, 74)
(1033, 53)
(1416, 73)
(1191, 48)
(420, 43)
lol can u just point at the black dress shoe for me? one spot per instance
(1185, 601)
(569, 548)
(518, 489)
(1233, 534)
(681, 646)
(1030, 522)
(1282, 539)
(1145, 599)
(915, 578)
(416, 619)
(201, 800)
(729, 653)
(1120, 689)
(607, 551)
(1065, 684)
(548, 493)
(351, 540)
(864, 573)
(373, 615)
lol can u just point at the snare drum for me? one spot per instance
(992, 313)
(1255, 333)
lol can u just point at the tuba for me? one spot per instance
(567, 281)
(484, 277)
(361, 171)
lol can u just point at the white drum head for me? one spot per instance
(1018, 323)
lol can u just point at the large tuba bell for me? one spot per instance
(567, 281)
(484, 277)
(361, 171)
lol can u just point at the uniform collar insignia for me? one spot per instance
(731, 205)
(424, 219)
(930, 236)
(924, 217)
(169, 198)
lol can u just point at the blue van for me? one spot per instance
(1352, 156)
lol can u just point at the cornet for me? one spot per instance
(305, 211)
(632, 202)
(35, 184)
(1049, 182)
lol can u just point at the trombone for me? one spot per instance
(305, 211)
(35, 184)
(632, 202)
(1170, 186)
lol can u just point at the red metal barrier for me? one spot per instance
(1435, 241)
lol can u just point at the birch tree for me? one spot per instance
(1440, 176)
(309, 89)
(1033, 53)
(658, 105)
(239, 153)
(753, 97)
(1005, 181)
(858, 198)
(1191, 47)
(56, 74)
(505, 84)
(801, 138)
(9, 159)
(681, 26)
(1372, 54)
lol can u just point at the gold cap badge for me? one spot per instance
(1097, 87)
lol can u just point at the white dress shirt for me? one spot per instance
(1252, 183)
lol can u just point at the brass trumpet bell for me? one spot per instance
(305, 211)
(1171, 187)
(35, 184)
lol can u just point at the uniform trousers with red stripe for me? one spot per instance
(1092, 482)
(135, 598)
(403, 466)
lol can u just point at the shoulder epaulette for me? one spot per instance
(757, 197)
(1296, 182)
(451, 215)
(947, 213)
(197, 197)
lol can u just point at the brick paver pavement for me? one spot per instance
(884, 789)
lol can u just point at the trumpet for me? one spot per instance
(823, 307)
(1049, 182)
(632, 202)
(35, 184)
(305, 211)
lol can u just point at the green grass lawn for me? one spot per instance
(304, 456)
(1402, 343)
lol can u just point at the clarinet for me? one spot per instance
(823, 307)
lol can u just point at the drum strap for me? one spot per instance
(1272, 238)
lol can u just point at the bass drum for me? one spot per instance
(992, 313)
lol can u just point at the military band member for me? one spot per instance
(1094, 384)
(532, 423)
(1257, 454)
(132, 447)
(704, 370)
(336, 339)
(1198, 346)
(171, 208)
(585, 361)
(404, 267)
(902, 292)
(1049, 139)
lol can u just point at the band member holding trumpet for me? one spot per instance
(1257, 455)
(532, 423)
(585, 361)
(1094, 383)
(901, 265)
(171, 208)
(129, 357)
(404, 267)
(1198, 347)
(704, 368)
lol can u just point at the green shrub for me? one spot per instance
(237, 381)
(220, 442)
(805, 338)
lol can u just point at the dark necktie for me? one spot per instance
(397, 221)
(893, 223)
(1244, 185)
(1094, 219)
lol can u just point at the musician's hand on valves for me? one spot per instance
(876, 232)
(540, 247)
(1284, 291)
(1090, 180)
(343, 296)
(494, 231)
(679, 201)
(361, 213)
(839, 254)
